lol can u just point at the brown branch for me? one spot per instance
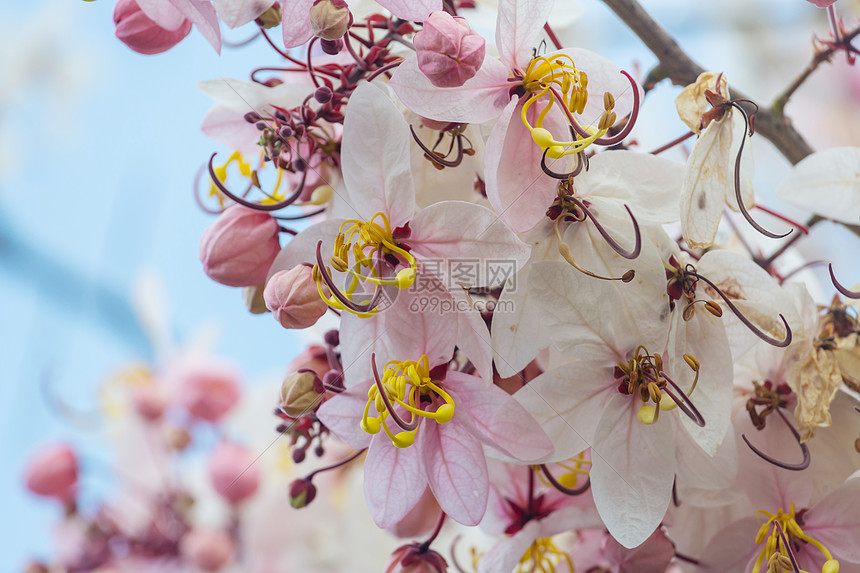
(819, 58)
(676, 65)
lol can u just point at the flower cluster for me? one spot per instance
(612, 376)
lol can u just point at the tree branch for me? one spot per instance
(676, 65)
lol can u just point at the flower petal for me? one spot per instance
(456, 470)
(518, 27)
(342, 415)
(480, 99)
(375, 157)
(296, 22)
(498, 419)
(826, 183)
(413, 10)
(202, 14)
(453, 233)
(506, 554)
(632, 471)
(394, 480)
(237, 13)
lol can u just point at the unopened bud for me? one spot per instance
(285, 132)
(330, 19)
(254, 301)
(449, 52)
(302, 493)
(271, 17)
(331, 47)
(323, 94)
(252, 117)
(239, 248)
(293, 298)
(298, 393)
(332, 337)
(413, 558)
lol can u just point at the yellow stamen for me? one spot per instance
(557, 82)
(775, 552)
(543, 556)
(365, 242)
(405, 383)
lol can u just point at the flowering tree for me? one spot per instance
(525, 324)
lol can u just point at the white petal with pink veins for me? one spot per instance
(414, 10)
(518, 28)
(296, 22)
(394, 480)
(237, 13)
(375, 157)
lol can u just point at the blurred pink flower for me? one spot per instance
(207, 390)
(208, 549)
(234, 475)
(53, 472)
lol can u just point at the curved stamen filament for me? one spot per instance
(554, 482)
(738, 197)
(407, 385)
(785, 465)
(637, 247)
(436, 157)
(545, 140)
(628, 127)
(564, 251)
(581, 162)
(217, 182)
(753, 328)
(339, 300)
(780, 533)
(684, 403)
(838, 286)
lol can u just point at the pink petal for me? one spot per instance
(163, 13)
(229, 128)
(603, 76)
(456, 470)
(414, 10)
(297, 22)
(633, 468)
(480, 99)
(835, 522)
(375, 157)
(343, 413)
(653, 555)
(394, 480)
(456, 232)
(519, 191)
(237, 13)
(303, 247)
(733, 549)
(497, 419)
(518, 27)
(473, 336)
(505, 554)
(202, 14)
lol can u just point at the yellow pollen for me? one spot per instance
(364, 242)
(544, 556)
(556, 82)
(776, 553)
(405, 383)
(642, 376)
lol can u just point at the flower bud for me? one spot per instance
(137, 31)
(294, 299)
(271, 17)
(302, 493)
(53, 472)
(449, 52)
(238, 249)
(314, 358)
(207, 549)
(410, 559)
(234, 474)
(330, 19)
(254, 301)
(208, 391)
(822, 3)
(323, 94)
(149, 401)
(298, 394)
(331, 47)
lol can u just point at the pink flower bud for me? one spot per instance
(449, 52)
(822, 3)
(330, 19)
(137, 31)
(314, 358)
(234, 475)
(150, 402)
(208, 391)
(411, 559)
(53, 472)
(294, 299)
(240, 246)
(207, 549)
(302, 493)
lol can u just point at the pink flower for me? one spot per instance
(234, 475)
(294, 299)
(822, 3)
(208, 549)
(207, 390)
(517, 89)
(413, 558)
(137, 31)
(438, 440)
(53, 472)
(449, 52)
(239, 248)
(150, 401)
